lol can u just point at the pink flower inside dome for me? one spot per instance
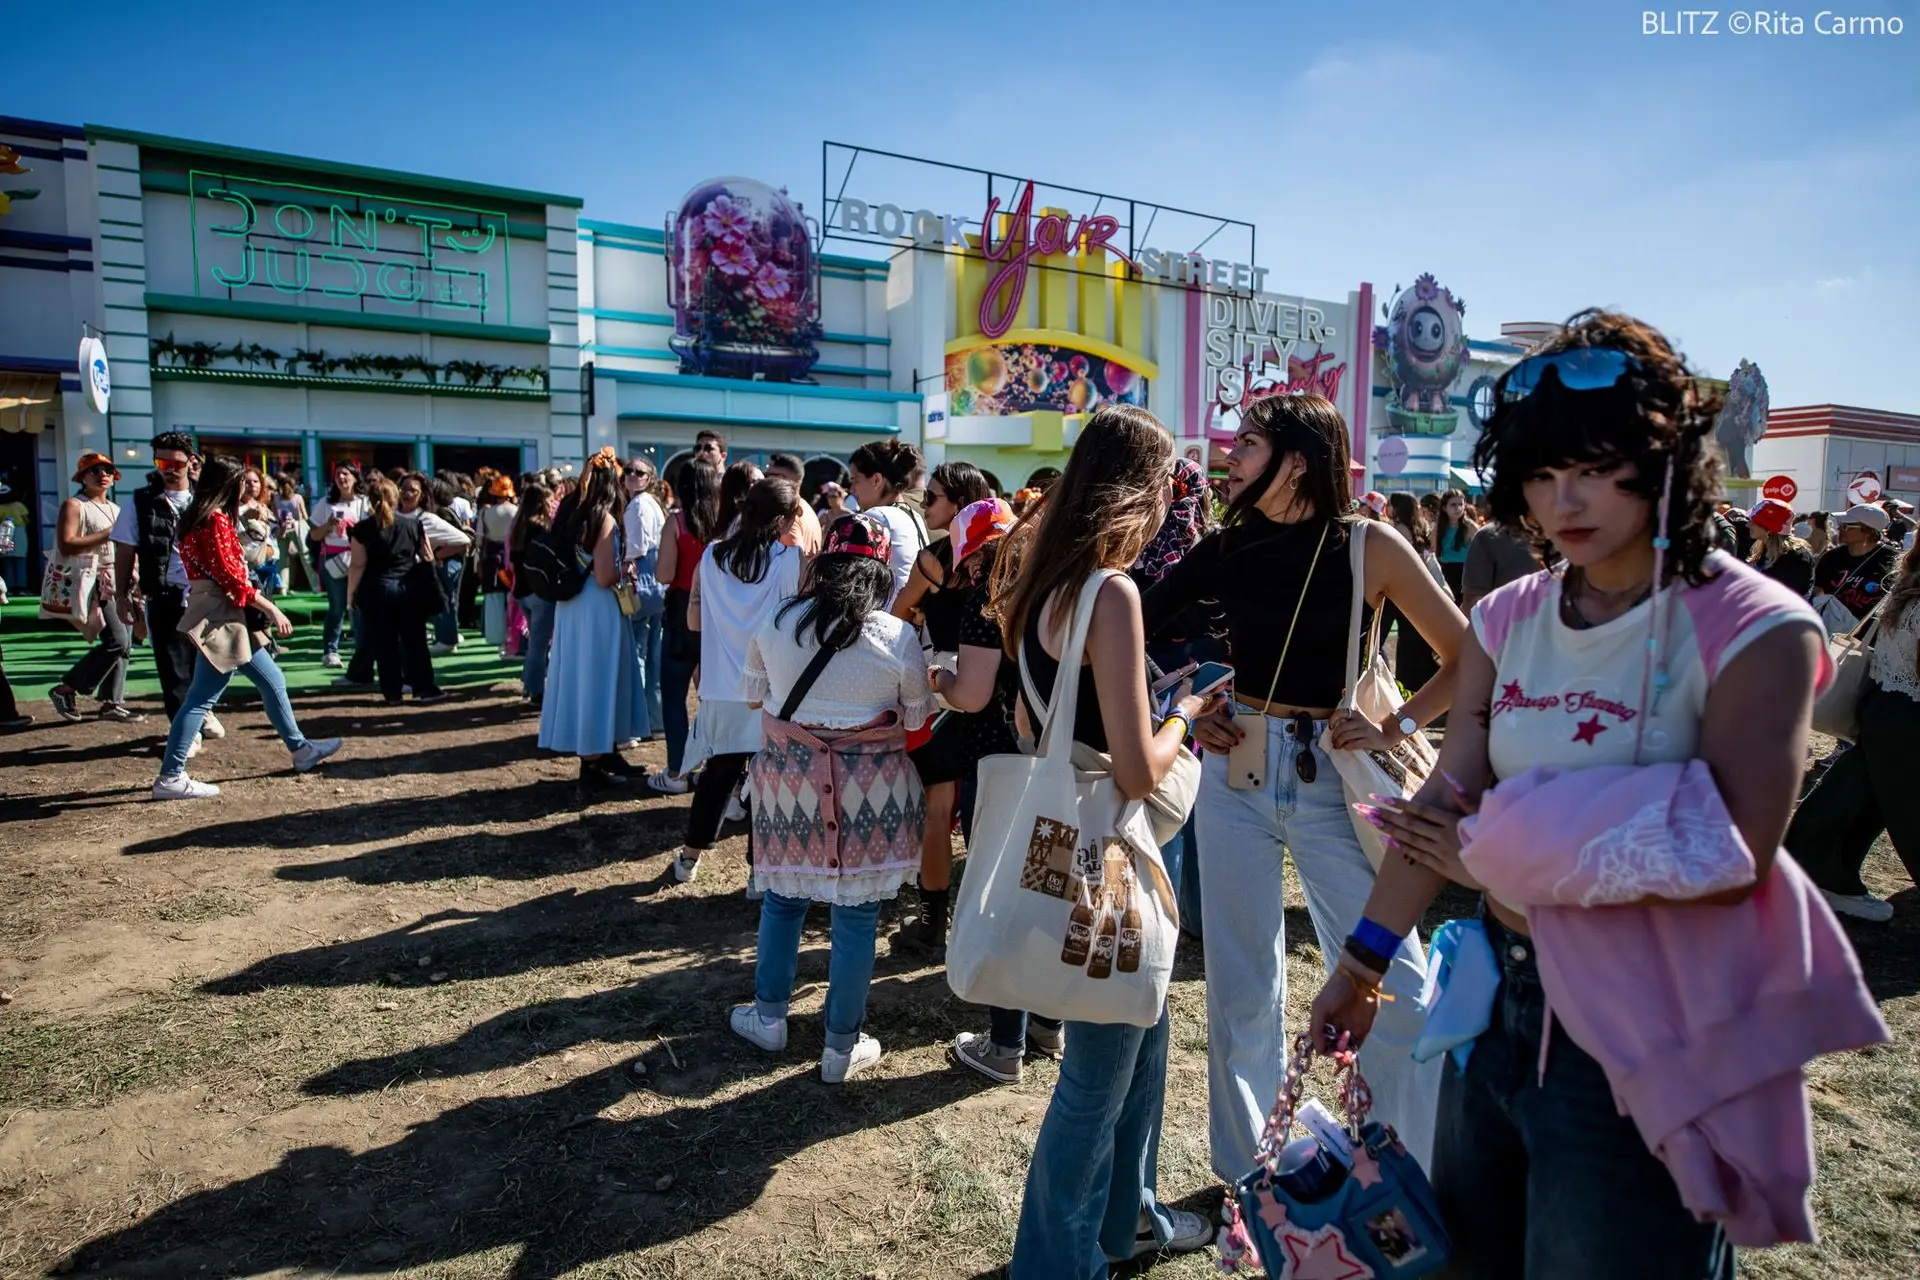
(726, 217)
(733, 258)
(772, 282)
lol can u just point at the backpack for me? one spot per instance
(550, 568)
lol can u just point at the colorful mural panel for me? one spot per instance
(1003, 379)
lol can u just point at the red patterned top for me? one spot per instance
(212, 552)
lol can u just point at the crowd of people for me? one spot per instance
(858, 643)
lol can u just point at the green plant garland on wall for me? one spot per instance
(472, 373)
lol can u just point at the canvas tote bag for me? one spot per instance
(1065, 909)
(1401, 769)
(1836, 712)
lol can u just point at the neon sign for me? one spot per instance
(347, 244)
(1026, 240)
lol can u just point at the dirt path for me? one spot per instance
(424, 1012)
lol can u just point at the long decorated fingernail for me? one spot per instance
(1455, 784)
(1392, 843)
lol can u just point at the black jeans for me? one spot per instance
(398, 632)
(1548, 1181)
(173, 654)
(1869, 789)
(719, 779)
(104, 667)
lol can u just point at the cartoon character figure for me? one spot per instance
(1743, 419)
(1424, 345)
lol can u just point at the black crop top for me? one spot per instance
(1254, 569)
(1088, 726)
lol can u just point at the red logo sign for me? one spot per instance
(1782, 488)
(1864, 490)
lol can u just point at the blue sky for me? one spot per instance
(1752, 195)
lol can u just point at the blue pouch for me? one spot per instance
(1463, 981)
(1365, 1213)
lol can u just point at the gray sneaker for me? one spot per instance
(1861, 906)
(1191, 1232)
(66, 704)
(119, 713)
(979, 1053)
(312, 753)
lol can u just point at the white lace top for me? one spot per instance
(1893, 655)
(881, 671)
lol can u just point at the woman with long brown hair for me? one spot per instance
(1290, 518)
(1090, 1189)
(692, 524)
(386, 547)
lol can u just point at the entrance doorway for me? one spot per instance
(272, 456)
(387, 456)
(18, 503)
(470, 458)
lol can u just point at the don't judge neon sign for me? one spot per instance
(1026, 240)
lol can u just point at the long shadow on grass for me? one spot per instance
(547, 1171)
(392, 819)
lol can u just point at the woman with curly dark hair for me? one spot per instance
(1650, 648)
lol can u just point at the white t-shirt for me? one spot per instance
(878, 672)
(127, 534)
(440, 533)
(905, 530)
(643, 521)
(349, 511)
(462, 509)
(1566, 698)
(732, 612)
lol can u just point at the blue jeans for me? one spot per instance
(676, 680)
(647, 635)
(1548, 1180)
(446, 623)
(267, 577)
(849, 967)
(1244, 837)
(1182, 856)
(533, 672)
(209, 682)
(1095, 1165)
(336, 611)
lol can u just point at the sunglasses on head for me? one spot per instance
(1576, 369)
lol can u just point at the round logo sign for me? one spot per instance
(1781, 488)
(94, 376)
(1392, 457)
(1865, 489)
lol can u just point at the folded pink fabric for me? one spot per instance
(1701, 1016)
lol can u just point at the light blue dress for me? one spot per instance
(594, 698)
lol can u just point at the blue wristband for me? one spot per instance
(1376, 937)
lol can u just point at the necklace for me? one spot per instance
(1577, 585)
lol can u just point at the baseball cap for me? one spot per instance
(1377, 500)
(1870, 516)
(1771, 515)
(858, 535)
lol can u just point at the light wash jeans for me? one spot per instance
(849, 966)
(446, 623)
(1096, 1163)
(533, 667)
(647, 635)
(209, 682)
(1243, 836)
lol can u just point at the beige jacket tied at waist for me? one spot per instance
(218, 627)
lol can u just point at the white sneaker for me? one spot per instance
(766, 1033)
(685, 869)
(735, 812)
(213, 728)
(179, 786)
(193, 748)
(1191, 1232)
(1861, 906)
(442, 650)
(837, 1066)
(330, 660)
(313, 753)
(666, 784)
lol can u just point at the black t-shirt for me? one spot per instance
(1256, 569)
(1858, 581)
(1793, 569)
(390, 551)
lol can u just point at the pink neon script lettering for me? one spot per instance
(1025, 241)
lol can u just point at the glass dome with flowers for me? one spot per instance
(742, 282)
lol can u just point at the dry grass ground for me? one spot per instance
(423, 1013)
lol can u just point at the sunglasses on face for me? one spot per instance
(1578, 369)
(172, 464)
